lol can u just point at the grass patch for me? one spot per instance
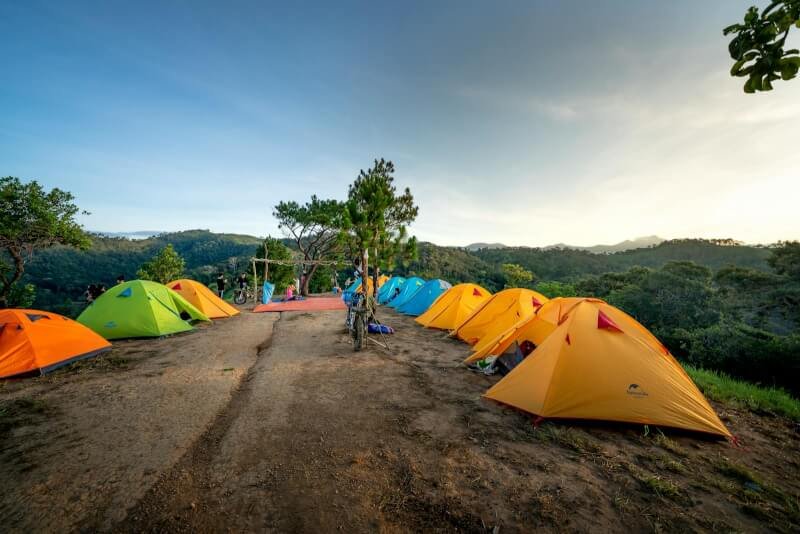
(20, 412)
(661, 486)
(721, 387)
(669, 444)
(102, 362)
(656, 484)
(567, 437)
(737, 472)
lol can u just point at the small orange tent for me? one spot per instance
(453, 306)
(32, 340)
(203, 298)
(601, 364)
(499, 313)
(535, 329)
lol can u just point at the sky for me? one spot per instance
(522, 122)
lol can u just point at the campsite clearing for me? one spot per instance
(238, 426)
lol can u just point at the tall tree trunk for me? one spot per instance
(307, 279)
(19, 268)
(375, 276)
(364, 273)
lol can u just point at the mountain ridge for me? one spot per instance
(628, 244)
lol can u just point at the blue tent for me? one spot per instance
(352, 288)
(424, 297)
(411, 286)
(266, 295)
(387, 290)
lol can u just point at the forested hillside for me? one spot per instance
(62, 274)
(566, 265)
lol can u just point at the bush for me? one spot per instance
(745, 352)
(552, 290)
(721, 387)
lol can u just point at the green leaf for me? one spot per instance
(789, 69)
(737, 67)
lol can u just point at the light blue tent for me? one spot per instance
(424, 297)
(266, 295)
(387, 290)
(411, 286)
(352, 288)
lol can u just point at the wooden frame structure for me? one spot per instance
(266, 261)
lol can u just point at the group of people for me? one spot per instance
(241, 280)
(93, 291)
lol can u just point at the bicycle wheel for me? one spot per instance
(360, 334)
(240, 297)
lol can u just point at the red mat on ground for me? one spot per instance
(312, 304)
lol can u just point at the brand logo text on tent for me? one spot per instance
(635, 390)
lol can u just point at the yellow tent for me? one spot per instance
(453, 306)
(203, 298)
(356, 286)
(535, 329)
(499, 313)
(601, 364)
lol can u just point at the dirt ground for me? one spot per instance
(271, 423)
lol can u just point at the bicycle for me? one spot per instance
(242, 295)
(356, 321)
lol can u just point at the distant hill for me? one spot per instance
(479, 246)
(142, 234)
(61, 274)
(628, 244)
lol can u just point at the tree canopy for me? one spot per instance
(377, 215)
(516, 275)
(758, 45)
(31, 219)
(785, 259)
(164, 267)
(315, 227)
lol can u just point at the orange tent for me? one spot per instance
(499, 313)
(535, 329)
(33, 340)
(203, 298)
(453, 306)
(601, 364)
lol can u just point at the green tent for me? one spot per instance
(140, 308)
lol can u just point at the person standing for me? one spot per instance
(221, 285)
(121, 279)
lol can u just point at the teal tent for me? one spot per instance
(388, 290)
(424, 297)
(411, 286)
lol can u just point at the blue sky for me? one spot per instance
(524, 122)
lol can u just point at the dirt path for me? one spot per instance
(114, 424)
(320, 439)
(316, 438)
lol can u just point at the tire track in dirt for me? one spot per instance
(168, 506)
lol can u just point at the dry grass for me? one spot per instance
(568, 437)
